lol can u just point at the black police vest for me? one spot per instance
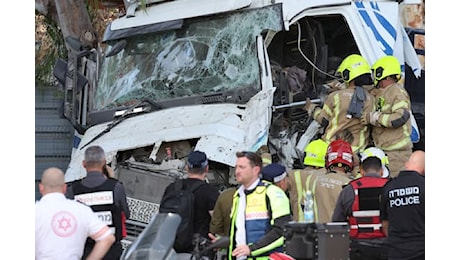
(101, 200)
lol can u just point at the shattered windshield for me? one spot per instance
(205, 56)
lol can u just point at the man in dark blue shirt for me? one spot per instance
(403, 210)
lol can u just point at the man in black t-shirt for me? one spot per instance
(403, 210)
(205, 195)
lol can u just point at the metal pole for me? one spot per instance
(295, 104)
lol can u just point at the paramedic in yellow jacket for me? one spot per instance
(256, 228)
(391, 125)
(342, 110)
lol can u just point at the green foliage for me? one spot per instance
(49, 41)
(49, 46)
(92, 7)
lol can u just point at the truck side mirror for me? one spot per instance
(119, 46)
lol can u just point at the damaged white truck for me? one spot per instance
(217, 76)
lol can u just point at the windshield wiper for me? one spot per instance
(126, 114)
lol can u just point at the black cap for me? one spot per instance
(274, 172)
(197, 159)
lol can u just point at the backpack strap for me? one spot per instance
(196, 185)
(180, 185)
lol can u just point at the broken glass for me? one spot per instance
(206, 56)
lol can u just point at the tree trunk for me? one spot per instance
(72, 17)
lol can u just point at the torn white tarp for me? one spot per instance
(383, 28)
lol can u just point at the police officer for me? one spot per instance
(391, 125)
(403, 210)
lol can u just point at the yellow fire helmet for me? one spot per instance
(352, 67)
(384, 67)
(315, 153)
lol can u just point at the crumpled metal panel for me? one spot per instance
(222, 130)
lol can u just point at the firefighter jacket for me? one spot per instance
(266, 212)
(325, 189)
(394, 128)
(335, 114)
(296, 187)
(365, 210)
(101, 201)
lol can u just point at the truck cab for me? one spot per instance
(219, 77)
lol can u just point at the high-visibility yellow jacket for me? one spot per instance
(267, 210)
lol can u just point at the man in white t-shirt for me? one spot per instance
(63, 225)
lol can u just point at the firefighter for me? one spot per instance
(314, 161)
(293, 181)
(391, 125)
(315, 153)
(359, 205)
(326, 187)
(342, 109)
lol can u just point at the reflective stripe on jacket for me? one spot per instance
(101, 201)
(264, 204)
(297, 181)
(365, 210)
(394, 126)
(325, 189)
(335, 111)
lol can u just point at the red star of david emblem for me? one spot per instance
(64, 224)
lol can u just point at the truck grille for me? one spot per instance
(142, 211)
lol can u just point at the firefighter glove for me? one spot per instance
(309, 106)
(335, 85)
(370, 118)
(374, 118)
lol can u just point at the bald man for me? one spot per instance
(403, 210)
(416, 162)
(63, 225)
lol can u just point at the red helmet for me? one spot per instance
(339, 153)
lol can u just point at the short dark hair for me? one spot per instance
(371, 164)
(254, 158)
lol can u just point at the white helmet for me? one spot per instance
(374, 151)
